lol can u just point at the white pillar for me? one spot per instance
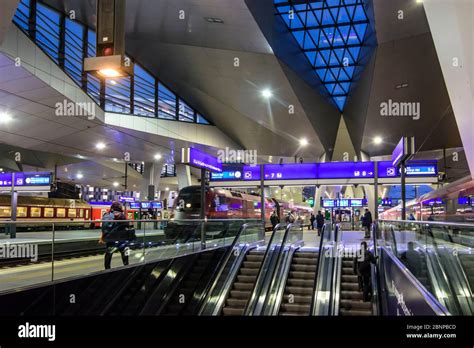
(183, 173)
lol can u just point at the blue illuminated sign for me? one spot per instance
(387, 202)
(29, 179)
(413, 168)
(125, 199)
(157, 205)
(237, 173)
(399, 153)
(290, 171)
(344, 203)
(345, 170)
(464, 201)
(135, 205)
(199, 159)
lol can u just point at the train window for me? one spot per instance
(81, 213)
(22, 212)
(60, 212)
(87, 214)
(72, 213)
(5, 212)
(48, 212)
(35, 212)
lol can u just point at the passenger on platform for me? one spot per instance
(319, 222)
(274, 219)
(362, 269)
(367, 222)
(312, 219)
(431, 217)
(411, 217)
(115, 235)
(290, 218)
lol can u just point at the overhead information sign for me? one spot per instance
(324, 171)
(413, 169)
(26, 181)
(344, 203)
(199, 159)
(403, 151)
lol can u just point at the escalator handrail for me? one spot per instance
(376, 281)
(255, 293)
(226, 259)
(315, 284)
(335, 295)
(436, 223)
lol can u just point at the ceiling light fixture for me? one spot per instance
(158, 156)
(378, 140)
(214, 20)
(116, 184)
(304, 142)
(79, 176)
(267, 94)
(100, 146)
(109, 73)
(5, 118)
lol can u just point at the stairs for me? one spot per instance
(300, 284)
(467, 262)
(351, 298)
(239, 295)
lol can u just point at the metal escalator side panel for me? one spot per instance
(403, 293)
(277, 287)
(164, 289)
(265, 274)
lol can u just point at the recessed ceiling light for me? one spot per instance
(109, 73)
(304, 142)
(167, 189)
(79, 175)
(267, 94)
(5, 118)
(158, 156)
(100, 146)
(378, 140)
(214, 20)
(116, 184)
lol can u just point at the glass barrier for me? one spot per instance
(439, 255)
(252, 235)
(38, 252)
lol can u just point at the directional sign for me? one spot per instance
(26, 181)
(199, 159)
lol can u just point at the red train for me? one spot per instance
(228, 204)
(65, 213)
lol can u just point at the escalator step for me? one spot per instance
(236, 302)
(295, 290)
(249, 271)
(345, 278)
(252, 264)
(240, 294)
(243, 286)
(350, 286)
(354, 295)
(302, 268)
(229, 311)
(306, 255)
(302, 275)
(347, 271)
(304, 261)
(295, 308)
(348, 264)
(356, 305)
(345, 312)
(305, 283)
(246, 279)
(254, 258)
(298, 299)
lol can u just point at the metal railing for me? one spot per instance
(68, 249)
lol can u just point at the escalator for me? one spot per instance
(351, 297)
(239, 295)
(300, 284)
(467, 262)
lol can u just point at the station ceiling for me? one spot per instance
(196, 58)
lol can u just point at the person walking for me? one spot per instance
(367, 222)
(115, 235)
(274, 219)
(319, 222)
(312, 219)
